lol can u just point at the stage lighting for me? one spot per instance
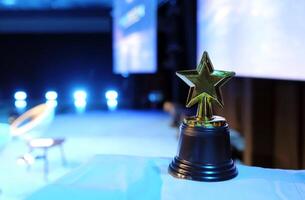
(20, 104)
(20, 95)
(51, 95)
(112, 104)
(52, 103)
(80, 95)
(155, 96)
(111, 95)
(80, 103)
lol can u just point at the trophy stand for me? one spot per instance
(204, 150)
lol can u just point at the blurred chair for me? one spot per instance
(29, 127)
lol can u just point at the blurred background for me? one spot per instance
(105, 72)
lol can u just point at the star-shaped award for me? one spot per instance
(205, 84)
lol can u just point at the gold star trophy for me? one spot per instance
(204, 151)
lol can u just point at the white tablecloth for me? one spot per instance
(131, 177)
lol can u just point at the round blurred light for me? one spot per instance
(155, 96)
(52, 103)
(20, 104)
(80, 103)
(111, 94)
(80, 95)
(20, 95)
(112, 104)
(51, 95)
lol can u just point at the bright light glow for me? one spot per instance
(51, 95)
(20, 95)
(20, 104)
(9, 2)
(80, 95)
(112, 104)
(111, 95)
(52, 103)
(80, 103)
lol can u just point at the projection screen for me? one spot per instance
(254, 38)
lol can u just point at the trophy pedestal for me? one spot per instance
(204, 154)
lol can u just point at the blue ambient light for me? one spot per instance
(112, 102)
(111, 95)
(9, 2)
(81, 103)
(80, 95)
(80, 99)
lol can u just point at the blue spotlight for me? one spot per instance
(80, 95)
(155, 96)
(20, 95)
(52, 103)
(80, 100)
(112, 104)
(20, 100)
(111, 96)
(51, 95)
(20, 104)
(80, 103)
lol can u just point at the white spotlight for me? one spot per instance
(52, 103)
(80, 100)
(81, 103)
(80, 95)
(112, 104)
(20, 104)
(111, 94)
(20, 95)
(51, 95)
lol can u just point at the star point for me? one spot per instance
(205, 85)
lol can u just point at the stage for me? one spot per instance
(147, 178)
(138, 133)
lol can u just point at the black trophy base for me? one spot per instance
(202, 172)
(204, 154)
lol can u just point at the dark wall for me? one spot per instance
(63, 62)
(270, 115)
(38, 62)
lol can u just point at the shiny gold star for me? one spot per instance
(205, 84)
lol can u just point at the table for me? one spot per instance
(145, 178)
